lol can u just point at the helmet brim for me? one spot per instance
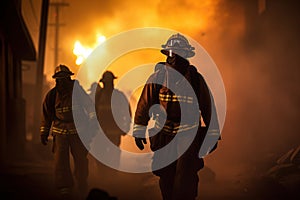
(107, 79)
(186, 54)
(62, 74)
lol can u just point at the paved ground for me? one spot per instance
(31, 177)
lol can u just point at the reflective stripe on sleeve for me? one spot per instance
(213, 132)
(92, 115)
(64, 131)
(174, 98)
(67, 109)
(139, 130)
(175, 129)
(44, 129)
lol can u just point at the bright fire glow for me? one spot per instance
(82, 52)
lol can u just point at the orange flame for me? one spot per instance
(82, 52)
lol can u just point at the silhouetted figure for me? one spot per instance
(92, 91)
(98, 194)
(113, 112)
(58, 119)
(178, 180)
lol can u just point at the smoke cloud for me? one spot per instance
(257, 55)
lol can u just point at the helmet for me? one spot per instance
(62, 71)
(107, 76)
(179, 45)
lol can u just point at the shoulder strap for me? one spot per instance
(160, 72)
(52, 99)
(195, 79)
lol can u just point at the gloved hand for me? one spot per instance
(140, 142)
(139, 132)
(44, 139)
(214, 147)
(209, 145)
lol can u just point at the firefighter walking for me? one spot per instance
(57, 118)
(178, 180)
(113, 112)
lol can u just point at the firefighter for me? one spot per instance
(178, 180)
(113, 112)
(57, 118)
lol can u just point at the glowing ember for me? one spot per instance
(82, 52)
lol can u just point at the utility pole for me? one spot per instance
(262, 5)
(40, 65)
(57, 6)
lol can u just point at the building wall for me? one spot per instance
(2, 100)
(12, 115)
(15, 45)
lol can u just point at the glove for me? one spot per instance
(140, 142)
(139, 135)
(214, 147)
(44, 139)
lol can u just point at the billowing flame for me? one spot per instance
(82, 52)
(197, 18)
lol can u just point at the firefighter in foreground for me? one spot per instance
(113, 112)
(57, 116)
(178, 180)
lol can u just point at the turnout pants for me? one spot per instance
(179, 180)
(62, 146)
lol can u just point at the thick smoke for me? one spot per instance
(257, 55)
